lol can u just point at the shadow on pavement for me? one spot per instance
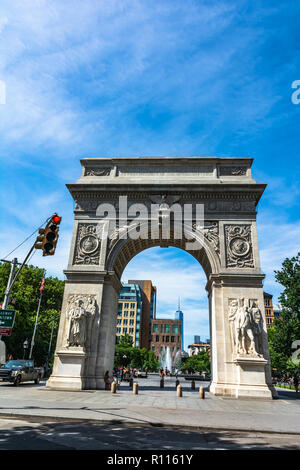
(288, 394)
(90, 436)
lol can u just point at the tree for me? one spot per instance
(197, 363)
(128, 355)
(286, 329)
(25, 295)
(289, 277)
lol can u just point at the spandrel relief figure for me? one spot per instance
(245, 321)
(232, 311)
(258, 326)
(77, 326)
(81, 311)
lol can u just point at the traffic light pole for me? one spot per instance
(14, 264)
(54, 220)
(9, 288)
(12, 280)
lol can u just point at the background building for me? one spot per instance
(148, 310)
(179, 316)
(269, 311)
(198, 346)
(129, 313)
(136, 310)
(166, 333)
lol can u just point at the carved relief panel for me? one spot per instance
(87, 246)
(246, 327)
(211, 233)
(238, 246)
(79, 316)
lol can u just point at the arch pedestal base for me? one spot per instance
(69, 371)
(250, 380)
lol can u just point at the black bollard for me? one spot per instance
(162, 383)
(193, 385)
(131, 382)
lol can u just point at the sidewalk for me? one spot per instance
(153, 407)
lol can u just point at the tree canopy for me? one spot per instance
(24, 299)
(289, 278)
(129, 356)
(197, 363)
(286, 329)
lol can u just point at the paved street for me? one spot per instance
(155, 418)
(23, 434)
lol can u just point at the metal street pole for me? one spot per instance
(8, 291)
(14, 263)
(36, 319)
(50, 344)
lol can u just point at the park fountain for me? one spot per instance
(165, 359)
(177, 360)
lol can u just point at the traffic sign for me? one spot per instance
(5, 331)
(7, 318)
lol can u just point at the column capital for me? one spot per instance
(93, 277)
(235, 280)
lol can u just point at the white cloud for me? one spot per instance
(76, 76)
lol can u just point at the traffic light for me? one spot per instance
(51, 236)
(40, 239)
(48, 237)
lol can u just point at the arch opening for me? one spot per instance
(180, 286)
(122, 251)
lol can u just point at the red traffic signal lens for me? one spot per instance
(56, 219)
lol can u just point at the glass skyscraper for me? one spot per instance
(129, 313)
(179, 316)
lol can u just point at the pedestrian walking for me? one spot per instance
(107, 380)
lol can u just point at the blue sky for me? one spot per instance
(133, 78)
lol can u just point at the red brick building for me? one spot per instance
(166, 333)
(269, 311)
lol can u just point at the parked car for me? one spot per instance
(17, 371)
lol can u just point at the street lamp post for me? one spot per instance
(25, 346)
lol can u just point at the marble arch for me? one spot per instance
(227, 251)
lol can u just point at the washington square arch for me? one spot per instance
(203, 205)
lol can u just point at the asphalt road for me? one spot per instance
(36, 434)
(60, 433)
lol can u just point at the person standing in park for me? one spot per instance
(296, 382)
(107, 380)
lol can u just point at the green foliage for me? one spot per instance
(198, 363)
(126, 341)
(26, 294)
(289, 277)
(286, 329)
(129, 356)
